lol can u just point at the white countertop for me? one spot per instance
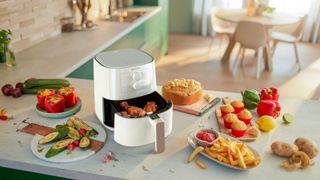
(59, 56)
(15, 149)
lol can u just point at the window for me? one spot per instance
(291, 6)
(234, 4)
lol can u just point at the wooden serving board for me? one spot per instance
(247, 137)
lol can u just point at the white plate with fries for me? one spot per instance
(229, 152)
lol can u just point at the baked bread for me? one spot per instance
(182, 91)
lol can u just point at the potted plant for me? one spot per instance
(6, 52)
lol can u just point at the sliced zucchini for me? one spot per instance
(58, 147)
(84, 143)
(70, 123)
(73, 133)
(54, 136)
(79, 123)
(48, 138)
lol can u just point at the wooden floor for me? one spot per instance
(191, 57)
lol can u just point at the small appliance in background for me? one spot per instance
(128, 75)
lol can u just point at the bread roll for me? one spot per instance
(182, 91)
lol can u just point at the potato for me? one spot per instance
(283, 149)
(307, 146)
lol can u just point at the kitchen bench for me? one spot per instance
(140, 162)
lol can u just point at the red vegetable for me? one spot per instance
(3, 117)
(16, 92)
(269, 107)
(7, 89)
(269, 94)
(76, 143)
(70, 95)
(206, 136)
(19, 85)
(71, 146)
(54, 103)
(41, 95)
(82, 131)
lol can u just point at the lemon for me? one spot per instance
(266, 123)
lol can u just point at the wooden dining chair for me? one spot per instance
(293, 38)
(220, 28)
(251, 35)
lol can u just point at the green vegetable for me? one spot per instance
(79, 123)
(54, 136)
(30, 83)
(73, 134)
(58, 147)
(287, 118)
(250, 98)
(84, 143)
(34, 90)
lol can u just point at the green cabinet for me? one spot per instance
(150, 36)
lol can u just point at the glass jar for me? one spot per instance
(9, 55)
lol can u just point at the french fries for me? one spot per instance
(232, 152)
(194, 153)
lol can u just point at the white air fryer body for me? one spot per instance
(122, 75)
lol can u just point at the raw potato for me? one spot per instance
(283, 149)
(307, 146)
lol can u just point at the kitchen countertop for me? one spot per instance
(60, 55)
(140, 162)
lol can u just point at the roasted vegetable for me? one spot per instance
(58, 147)
(250, 98)
(41, 96)
(80, 124)
(283, 149)
(30, 83)
(54, 136)
(54, 103)
(73, 133)
(84, 143)
(70, 96)
(307, 146)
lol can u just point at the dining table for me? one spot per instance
(269, 20)
(140, 162)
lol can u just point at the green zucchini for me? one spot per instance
(34, 90)
(84, 143)
(30, 83)
(58, 147)
(73, 134)
(79, 123)
(54, 136)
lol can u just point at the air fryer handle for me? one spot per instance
(159, 130)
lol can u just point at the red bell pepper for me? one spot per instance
(269, 94)
(70, 96)
(54, 103)
(41, 95)
(269, 107)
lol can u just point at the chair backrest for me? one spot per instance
(299, 30)
(218, 24)
(251, 35)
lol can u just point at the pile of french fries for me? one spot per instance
(232, 152)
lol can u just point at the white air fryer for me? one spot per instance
(129, 75)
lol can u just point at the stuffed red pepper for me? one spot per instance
(41, 95)
(55, 103)
(70, 96)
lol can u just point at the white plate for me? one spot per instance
(76, 155)
(193, 143)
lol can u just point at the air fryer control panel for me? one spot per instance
(136, 81)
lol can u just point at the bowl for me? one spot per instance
(202, 142)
